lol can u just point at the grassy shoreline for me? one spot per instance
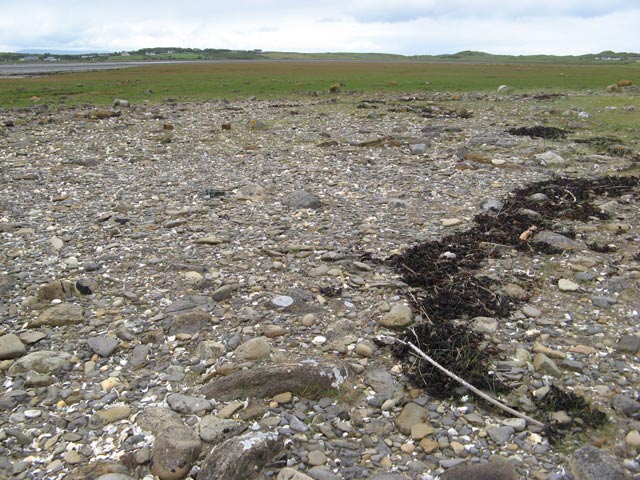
(264, 80)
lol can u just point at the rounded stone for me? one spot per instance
(254, 349)
(632, 440)
(567, 285)
(316, 458)
(11, 347)
(400, 315)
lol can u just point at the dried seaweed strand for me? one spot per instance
(480, 393)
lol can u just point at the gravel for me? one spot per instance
(149, 254)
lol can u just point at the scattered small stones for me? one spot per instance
(242, 263)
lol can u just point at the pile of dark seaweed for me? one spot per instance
(447, 290)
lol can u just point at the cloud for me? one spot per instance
(403, 26)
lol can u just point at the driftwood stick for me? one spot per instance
(480, 393)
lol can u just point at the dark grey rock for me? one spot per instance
(139, 356)
(224, 292)
(494, 470)
(381, 381)
(628, 344)
(591, 463)
(555, 240)
(626, 405)
(322, 473)
(418, 149)
(389, 476)
(451, 462)
(103, 345)
(500, 435)
(115, 476)
(602, 301)
(243, 457)
(302, 199)
(7, 282)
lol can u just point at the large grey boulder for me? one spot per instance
(306, 378)
(494, 470)
(176, 446)
(591, 463)
(243, 457)
(301, 199)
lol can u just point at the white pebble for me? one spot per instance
(319, 340)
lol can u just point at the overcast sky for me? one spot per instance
(404, 26)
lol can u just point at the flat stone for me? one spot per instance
(214, 429)
(224, 292)
(311, 379)
(187, 404)
(399, 316)
(429, 445)
(518, 424)
(591, 463)
(381, 381)
(484, 325)
(43, 361)
(60, 315)
(210, 240)
(531, 312)
(316, 458)
(301, 199)
(545, 365)
(318, 271)
(284, 397)
(494, 470)
(411, 414)
(113, 414)
(566, 285)
(550, 158)
(11, 347)
(322, 473)
(421, 430)
(450, 222)
(500, 435)
(292, 474)
(103, 345)
(603, 301)
(549, 352)
(555, 240)
(625, 404)
(191, 322)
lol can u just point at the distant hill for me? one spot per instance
(42, 51)
(179, 53)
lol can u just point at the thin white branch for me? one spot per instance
(480, 393)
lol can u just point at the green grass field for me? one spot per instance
(271, 79)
